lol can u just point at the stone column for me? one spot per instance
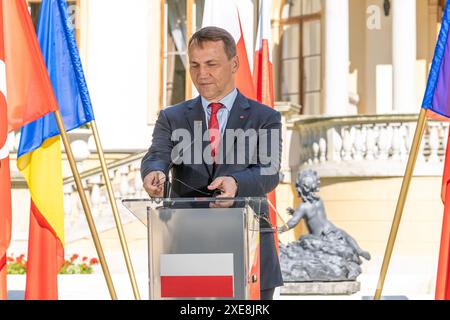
(404, 52)
(433, 29)
(337, 44)
(154, 55)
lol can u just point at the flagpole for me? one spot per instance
(87, 209)
(277, 212)
(117, 219)
(401, 200)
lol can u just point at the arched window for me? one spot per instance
(301, 54)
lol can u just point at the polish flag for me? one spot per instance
(263, 70)
(5, 181)
(263, 80)
(197, 276)
(225, 15)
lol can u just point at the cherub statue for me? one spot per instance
(313, 211)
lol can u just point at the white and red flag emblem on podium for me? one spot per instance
(197, 276)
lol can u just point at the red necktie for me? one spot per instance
(213, 128)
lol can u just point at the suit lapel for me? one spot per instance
(239, 112)
(194, 112)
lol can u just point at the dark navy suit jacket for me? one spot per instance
(245, 114)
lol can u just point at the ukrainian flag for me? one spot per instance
(39, 155)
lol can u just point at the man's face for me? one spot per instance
(211, 71)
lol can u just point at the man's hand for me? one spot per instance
(283, 229)
(228, 188)
(154, 184)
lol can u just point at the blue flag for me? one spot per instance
(437, 95)
(59, 48)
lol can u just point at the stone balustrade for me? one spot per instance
(125, 179)
(367, 146)
(126, 182)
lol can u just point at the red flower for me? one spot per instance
(85, 258)
(94, 261)
(10, 259)
(74, 257)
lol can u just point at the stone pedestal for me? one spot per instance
(321, 288)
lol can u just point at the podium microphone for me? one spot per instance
(166, 191)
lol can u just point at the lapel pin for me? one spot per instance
(242, 117)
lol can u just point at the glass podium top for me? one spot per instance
(141, 207)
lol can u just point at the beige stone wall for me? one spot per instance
(371, 54)
(370, 68)
(365, 209)
(358, 46)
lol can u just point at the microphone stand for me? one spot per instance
(167, 184)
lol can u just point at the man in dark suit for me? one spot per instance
(220, 109)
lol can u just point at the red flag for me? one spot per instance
(443, 274)
(5, 212)
(30, 93)
(29, 97)
(5, 189)
(263, 69)
(263, 81)
(225, 15)
(5, 184)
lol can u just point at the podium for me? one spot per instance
(196, 251)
